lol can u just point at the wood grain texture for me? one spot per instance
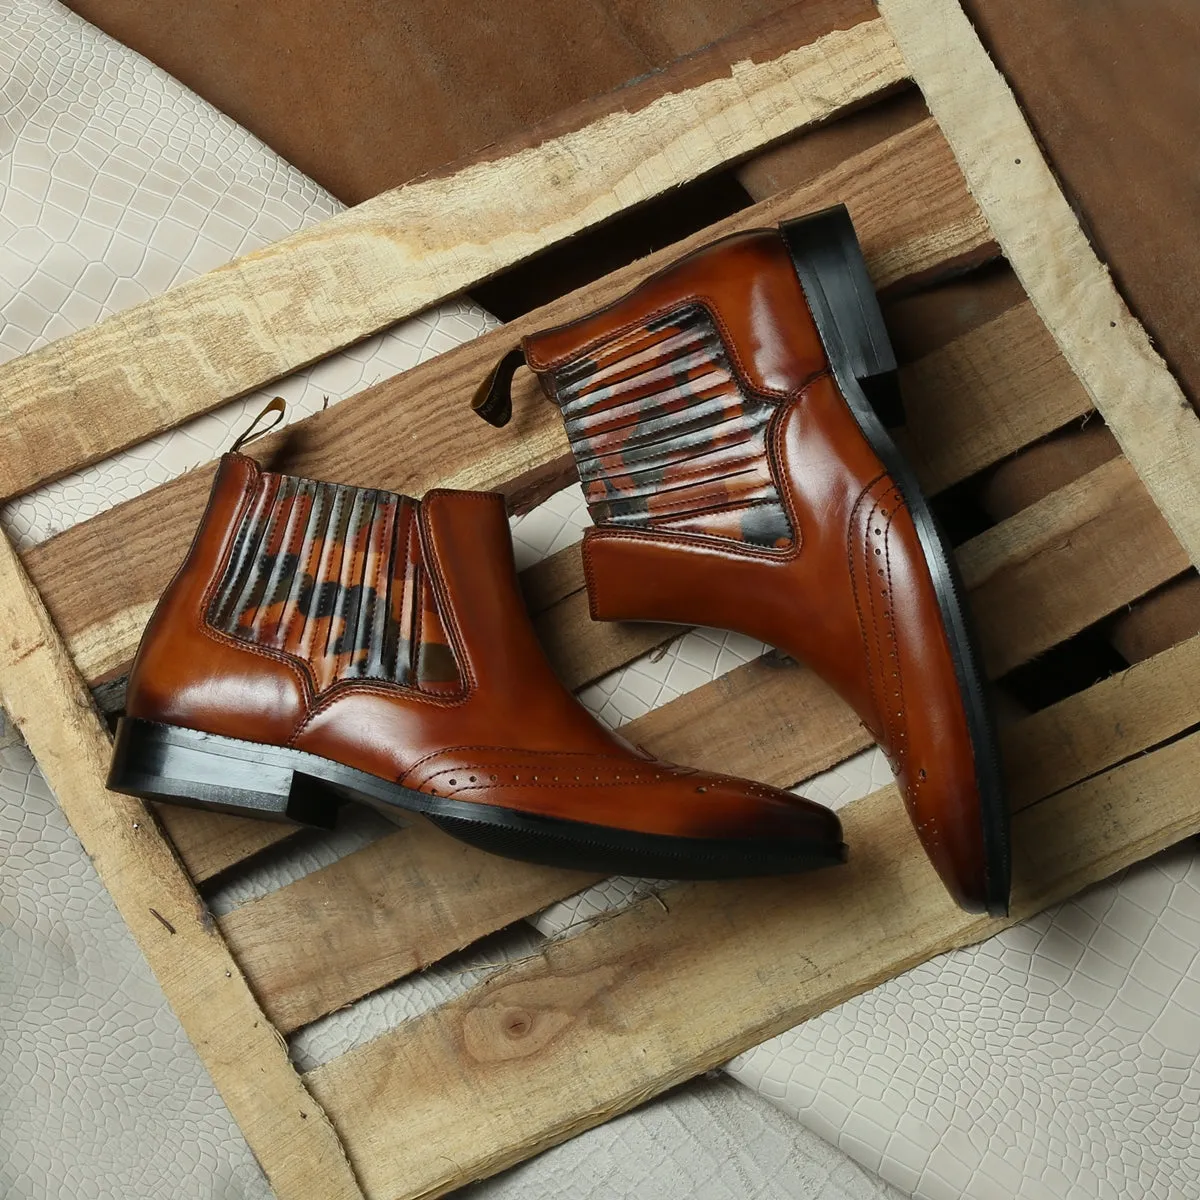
(1111, 721)
(49, 703)
(1160, 620)
(275, 310)
(397, 905)
(1107, 348)
(914, 215)
(428, 1107)
(1065, 562)
(211, 842)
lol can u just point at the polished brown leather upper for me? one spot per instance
(391, 636)
(843, 585)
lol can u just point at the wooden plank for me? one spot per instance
(1158, 430)
(660, 993)
(48, 702)
(1109, 722)
(1065, 562)
(393, 907)
(808, 155)
(280, 308)
(990, 392)
(907, 199)
(1160, 620)
(210, 842)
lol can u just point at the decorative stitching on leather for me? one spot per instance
(198, 619)
(665, 430)
(892, 694)
(355, 523)
(481, 749)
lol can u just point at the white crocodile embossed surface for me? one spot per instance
(101, 1096)
(1057, 1061)
(709, 1141)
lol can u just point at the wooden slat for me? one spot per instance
(280, 308)
(416, 431)
(1065, 562)
(1072, 290)
(49, 703)
(986, 395)
(212, 842)
(1109, 722)
(393, 907)
(601, 1021)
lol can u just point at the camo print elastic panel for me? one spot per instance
(333, 576)
(666, 436)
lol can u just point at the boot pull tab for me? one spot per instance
(278, 406)
(493, 399)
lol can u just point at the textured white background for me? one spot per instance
(1057, 1060)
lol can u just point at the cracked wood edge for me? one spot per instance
(1105, 344)
(282, 307)
(47, 701)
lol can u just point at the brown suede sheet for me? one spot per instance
(365, 94)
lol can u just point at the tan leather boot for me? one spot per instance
(728, 418)
(323, 642)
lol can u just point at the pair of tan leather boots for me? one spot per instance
(729, 418)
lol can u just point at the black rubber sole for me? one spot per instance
(829, 262)
(202, 770)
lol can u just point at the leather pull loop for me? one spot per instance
(493, 399)
(278, 406)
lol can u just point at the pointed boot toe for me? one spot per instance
(730, 421)
(324, 643)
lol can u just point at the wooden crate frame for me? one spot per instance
(602, 1020)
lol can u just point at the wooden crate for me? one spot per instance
(627, 1007)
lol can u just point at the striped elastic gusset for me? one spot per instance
(332, 575)
(666, 436)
